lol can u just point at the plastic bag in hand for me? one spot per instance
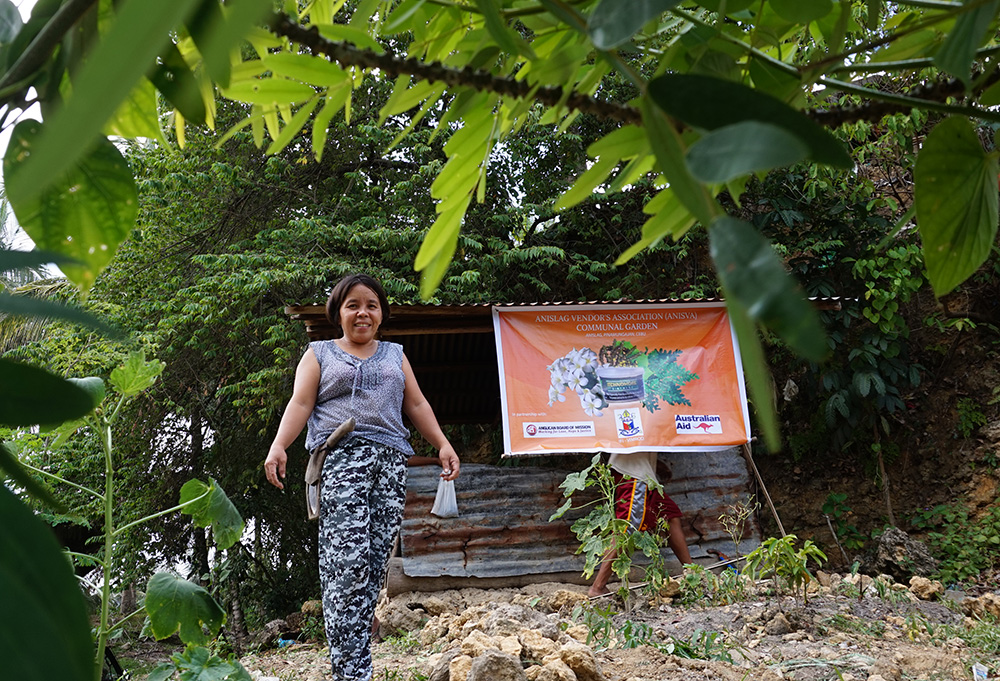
(445, 505)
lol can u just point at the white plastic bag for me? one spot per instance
(445, 505)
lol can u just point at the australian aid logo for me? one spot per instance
(698, 424)
(629, 422)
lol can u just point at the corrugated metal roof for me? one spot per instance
(503, 527)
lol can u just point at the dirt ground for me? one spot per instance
(888, 634)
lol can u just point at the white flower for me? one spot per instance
(592, 404)
(556, 395)
(577, 382)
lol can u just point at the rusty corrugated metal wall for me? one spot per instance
(503, 527)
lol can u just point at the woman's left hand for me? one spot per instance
(449, 462)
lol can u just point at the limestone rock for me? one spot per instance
(535, 646)
(476, 643)
(899, 555)
(988, 603)
(564, 598)
(671, 588)
(779, 626)
(496, 666)
(581, 660)
(554, 669)
(312, 608)
(508, 620)
(440, 665)
(926, 589)
(510, 645)
(396, 619)
(578, 632)
(266, 637)
(459, 668)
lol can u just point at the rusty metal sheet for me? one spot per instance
(503, 527)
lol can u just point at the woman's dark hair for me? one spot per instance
(340, 291)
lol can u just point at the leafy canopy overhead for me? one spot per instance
(715, 92)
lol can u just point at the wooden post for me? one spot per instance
(760, 481)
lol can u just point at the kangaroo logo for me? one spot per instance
(704, 426)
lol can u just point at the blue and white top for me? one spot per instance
(370, 390)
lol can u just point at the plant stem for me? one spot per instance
(94, 493)
(109, 539)
(178, 507)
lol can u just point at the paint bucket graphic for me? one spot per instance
(622, 384)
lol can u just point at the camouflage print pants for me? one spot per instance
(361, 507)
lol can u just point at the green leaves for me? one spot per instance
(83, 213)
(956, 199)
(213, 508)
(801, 11)
(959, 48)
(140, 30)
(743, 148)
(712, 103)
(44, 633)
(176, 605)
(610, 24)
(35, 396)
(136, 374)
(752, 275)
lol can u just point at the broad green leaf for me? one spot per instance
(32, 396)
(585, 184)
(175, 605)
(202, 24)
(710, 103)
(959, 49)
(742, 148)
(269, 92)
(334, 102)
(294, 126)
(306, 68)
(801, 11)
(752, 274)
(136, 374)
(216, 31)
(399, 18)
(84, 213)
(669, 217)
(756, 371)
(25, 306)
(404, 97)
(213, 509)
(13, 260)
(137, 116)
(774, 81)
(41, 597)
(611, 24)
(350, 34)
(438, 246)
(15, 472)
(956, 198)
(10, 21)
(991, 95)
(669, 150)
(93, 386)
(507, 39)
(140, 30)
(727, 6)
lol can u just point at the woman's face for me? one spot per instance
(360, 314)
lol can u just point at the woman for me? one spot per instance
(364, 478)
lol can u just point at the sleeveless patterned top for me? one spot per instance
(370, 390)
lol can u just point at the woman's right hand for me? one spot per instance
(274, 466)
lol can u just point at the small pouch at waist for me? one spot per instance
(314, 468)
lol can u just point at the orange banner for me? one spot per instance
(614, 378)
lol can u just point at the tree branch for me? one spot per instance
(347, 54)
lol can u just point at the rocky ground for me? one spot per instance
(699, 628)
